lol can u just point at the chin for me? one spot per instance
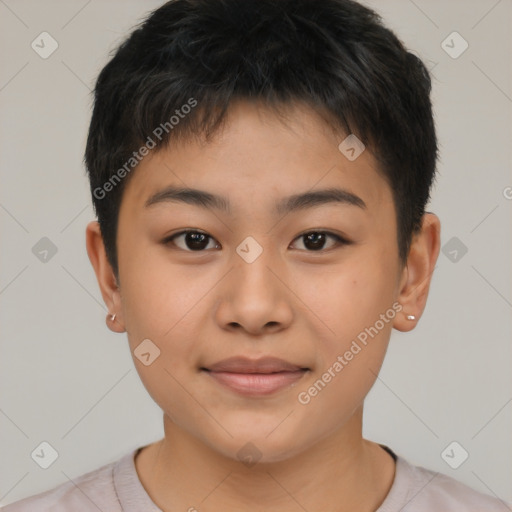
(253, 446)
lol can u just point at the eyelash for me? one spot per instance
(340, 241)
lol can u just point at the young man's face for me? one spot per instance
(256, 287)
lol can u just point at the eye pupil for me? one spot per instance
(318, 240)
(196, 241)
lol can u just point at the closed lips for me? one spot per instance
(255, 378)
(265, 365)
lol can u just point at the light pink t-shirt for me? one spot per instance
(116, 487)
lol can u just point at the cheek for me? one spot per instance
(164, 305)
(347, 297)
(350, 353)
(157, 297)
(353, 314)
(159, 306)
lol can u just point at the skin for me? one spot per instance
(292, 302)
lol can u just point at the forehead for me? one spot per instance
(257, 156)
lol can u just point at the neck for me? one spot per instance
(341, 472)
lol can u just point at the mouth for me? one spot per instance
(252, 377)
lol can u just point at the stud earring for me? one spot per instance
(411, 317)
(113, 317)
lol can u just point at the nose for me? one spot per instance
(255, 297)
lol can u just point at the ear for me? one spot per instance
(417, 273)
(105, 275)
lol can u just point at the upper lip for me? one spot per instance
(239, 364)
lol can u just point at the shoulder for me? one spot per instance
(91, 491)
(420, 490)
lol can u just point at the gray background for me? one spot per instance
(66, 379)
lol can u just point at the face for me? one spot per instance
(311, 282)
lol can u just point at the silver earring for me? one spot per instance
(113, 317)
(411, 317)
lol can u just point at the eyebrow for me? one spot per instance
(288, 204)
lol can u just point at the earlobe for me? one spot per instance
(105, 276)
(417, 274)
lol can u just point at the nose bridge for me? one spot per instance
(252, 262)
(254, 295)
(254, 298)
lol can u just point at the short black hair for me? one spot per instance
(179, 70)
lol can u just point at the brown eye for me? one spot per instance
(197, 241)
(316, 240)
(192, 241)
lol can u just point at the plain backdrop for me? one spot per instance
(67, 380)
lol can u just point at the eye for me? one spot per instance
(197, 241)
(314, 241)
(193, 240)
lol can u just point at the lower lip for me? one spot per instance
(257, 384)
